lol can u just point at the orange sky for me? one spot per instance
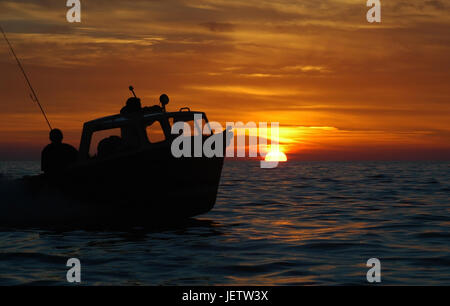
(340, 87)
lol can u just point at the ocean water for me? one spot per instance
(303, 223)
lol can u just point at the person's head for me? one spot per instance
(56, 136)
(133, 101)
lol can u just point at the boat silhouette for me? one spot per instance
(138, 183)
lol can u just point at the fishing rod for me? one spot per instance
(33, 93)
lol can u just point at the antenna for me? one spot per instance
(131, 88)
(33, 93)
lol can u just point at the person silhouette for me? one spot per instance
(133, 105)
(57, 156)
(130, 135)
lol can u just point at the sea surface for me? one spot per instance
(303, 223)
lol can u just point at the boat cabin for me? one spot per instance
(149, 128)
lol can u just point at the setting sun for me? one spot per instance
(276, 156)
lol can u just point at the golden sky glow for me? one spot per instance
(340, 88)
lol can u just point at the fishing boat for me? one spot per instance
(117, 183)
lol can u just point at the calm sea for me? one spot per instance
(299, 224)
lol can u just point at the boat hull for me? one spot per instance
(143, 188)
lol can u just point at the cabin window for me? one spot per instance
(107, 138)
(155, 132)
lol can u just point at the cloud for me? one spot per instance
(307, 68)
(218, 26)
(246, 90)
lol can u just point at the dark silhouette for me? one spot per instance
(109, 146)
(130, 135)
(164, 100)
(133, 105)
(57, 156)
(132, 181)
